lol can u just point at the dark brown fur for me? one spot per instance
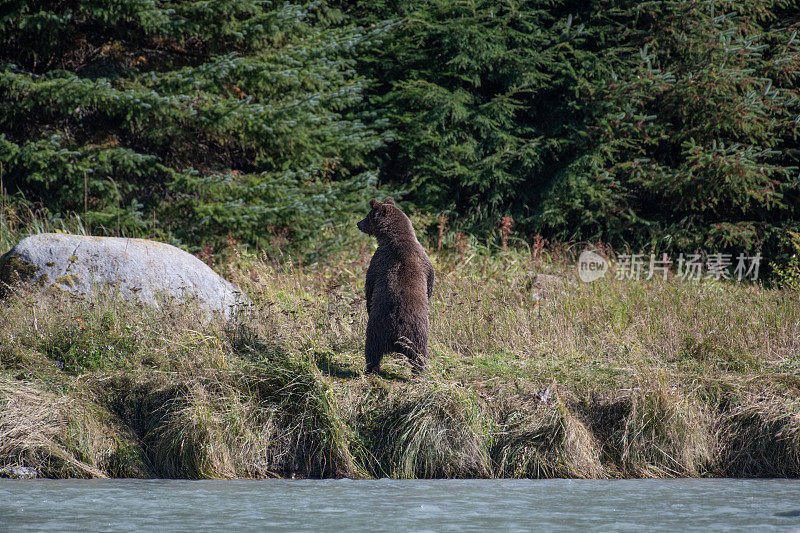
(399, 286)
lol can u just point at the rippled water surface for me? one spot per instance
(384, 505)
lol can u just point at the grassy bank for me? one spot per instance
(531, 377)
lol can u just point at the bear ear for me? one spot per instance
(373, 204)
(389, 200)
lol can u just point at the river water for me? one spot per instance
(389, 505)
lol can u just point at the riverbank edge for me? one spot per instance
(293, 418)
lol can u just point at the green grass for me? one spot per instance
(527, 379)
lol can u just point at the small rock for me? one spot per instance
(18, 472)
(135, 268)
(543, 285)
(544, 395)
(547, 281)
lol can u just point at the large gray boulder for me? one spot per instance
(134, 268)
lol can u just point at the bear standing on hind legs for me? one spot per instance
(399, 286)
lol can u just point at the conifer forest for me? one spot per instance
(660, 126)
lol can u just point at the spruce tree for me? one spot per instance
(666, 125)
(692, 143)
(200, 121)
(479, 95)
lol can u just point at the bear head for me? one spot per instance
(385, 221)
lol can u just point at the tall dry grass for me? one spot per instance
(533, 374)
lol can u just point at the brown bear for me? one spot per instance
(398, 288)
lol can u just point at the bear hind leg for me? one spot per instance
(373, 361)
(417, 357)
(375, 347)
(374, 351)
